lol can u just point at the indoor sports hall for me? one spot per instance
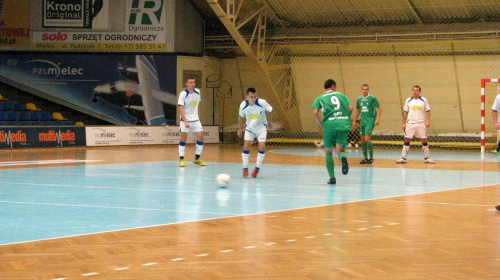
(102, 210)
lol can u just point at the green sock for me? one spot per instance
(363, 148)
(330, 165)
(369, 147)
(341, 155)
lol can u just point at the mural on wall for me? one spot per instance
(131, 89)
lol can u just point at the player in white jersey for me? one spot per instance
(253, 110)
(496, 108)
(416, 118)
(189, 99)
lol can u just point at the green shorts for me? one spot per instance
(333, 137)
(366, 129)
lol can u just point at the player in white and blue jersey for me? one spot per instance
(495, 109)
(253, 109)
(189, 111)
(416, 119)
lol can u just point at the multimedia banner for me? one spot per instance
(41, 137)
(129, 89)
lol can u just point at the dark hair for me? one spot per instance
(251, 89)
(329, 83)
(419, 88)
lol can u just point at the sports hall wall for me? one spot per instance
(449, 73)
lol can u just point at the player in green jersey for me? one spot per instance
(336, 124)
(370, 110)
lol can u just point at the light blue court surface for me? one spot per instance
(52, 202)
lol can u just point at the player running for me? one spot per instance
(336, 124)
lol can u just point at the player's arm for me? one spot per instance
(495, 119)
(183, 115)
(379, 113)
(405, 117)
(270, 119)
(240, 130)
(428, 119)
(316, 117)
(356, 115)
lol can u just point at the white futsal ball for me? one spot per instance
(222, 180)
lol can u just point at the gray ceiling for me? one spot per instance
(365, 14)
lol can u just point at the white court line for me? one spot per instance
(40, 162)
(203, 255)
(121, 268)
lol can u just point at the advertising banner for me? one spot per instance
(142, 28)
(140, 135)
(86, 14)
(40, 137)
(130, 89)
(14, 24)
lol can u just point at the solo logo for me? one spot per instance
(49, 68)
(54, 36)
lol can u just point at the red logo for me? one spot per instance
(54, 36)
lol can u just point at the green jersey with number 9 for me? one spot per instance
(335, 108)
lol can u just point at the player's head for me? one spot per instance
(190, 83)
(416, 90)
(365, 89)
(330, 84)
(251, 95)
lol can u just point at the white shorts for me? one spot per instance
(415, 129)
(261, 136)
(194, 127)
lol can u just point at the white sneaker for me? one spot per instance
(428, 160)
(401, 160)
(349, 145)
(357, 146)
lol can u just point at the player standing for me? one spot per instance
(416, 119)
(336, 124)
(189, 111)
(370, 110)
(253, 110)
(495, 108)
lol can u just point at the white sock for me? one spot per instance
(406, 149)
(260, 158)
(246, 158)
(426, 151)
(199, 148)
(182, 149)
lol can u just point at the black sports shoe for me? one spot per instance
(364, 161)
(332, 181)
(370, 161)
(345, 165)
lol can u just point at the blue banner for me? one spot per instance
(131, 89)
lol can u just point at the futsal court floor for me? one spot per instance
(133, 213)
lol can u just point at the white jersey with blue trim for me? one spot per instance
(496, 105)
(416, 109)
(255, 114)
(190, 101)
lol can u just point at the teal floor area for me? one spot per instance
(52, 202)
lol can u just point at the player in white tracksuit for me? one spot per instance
(253, 109)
